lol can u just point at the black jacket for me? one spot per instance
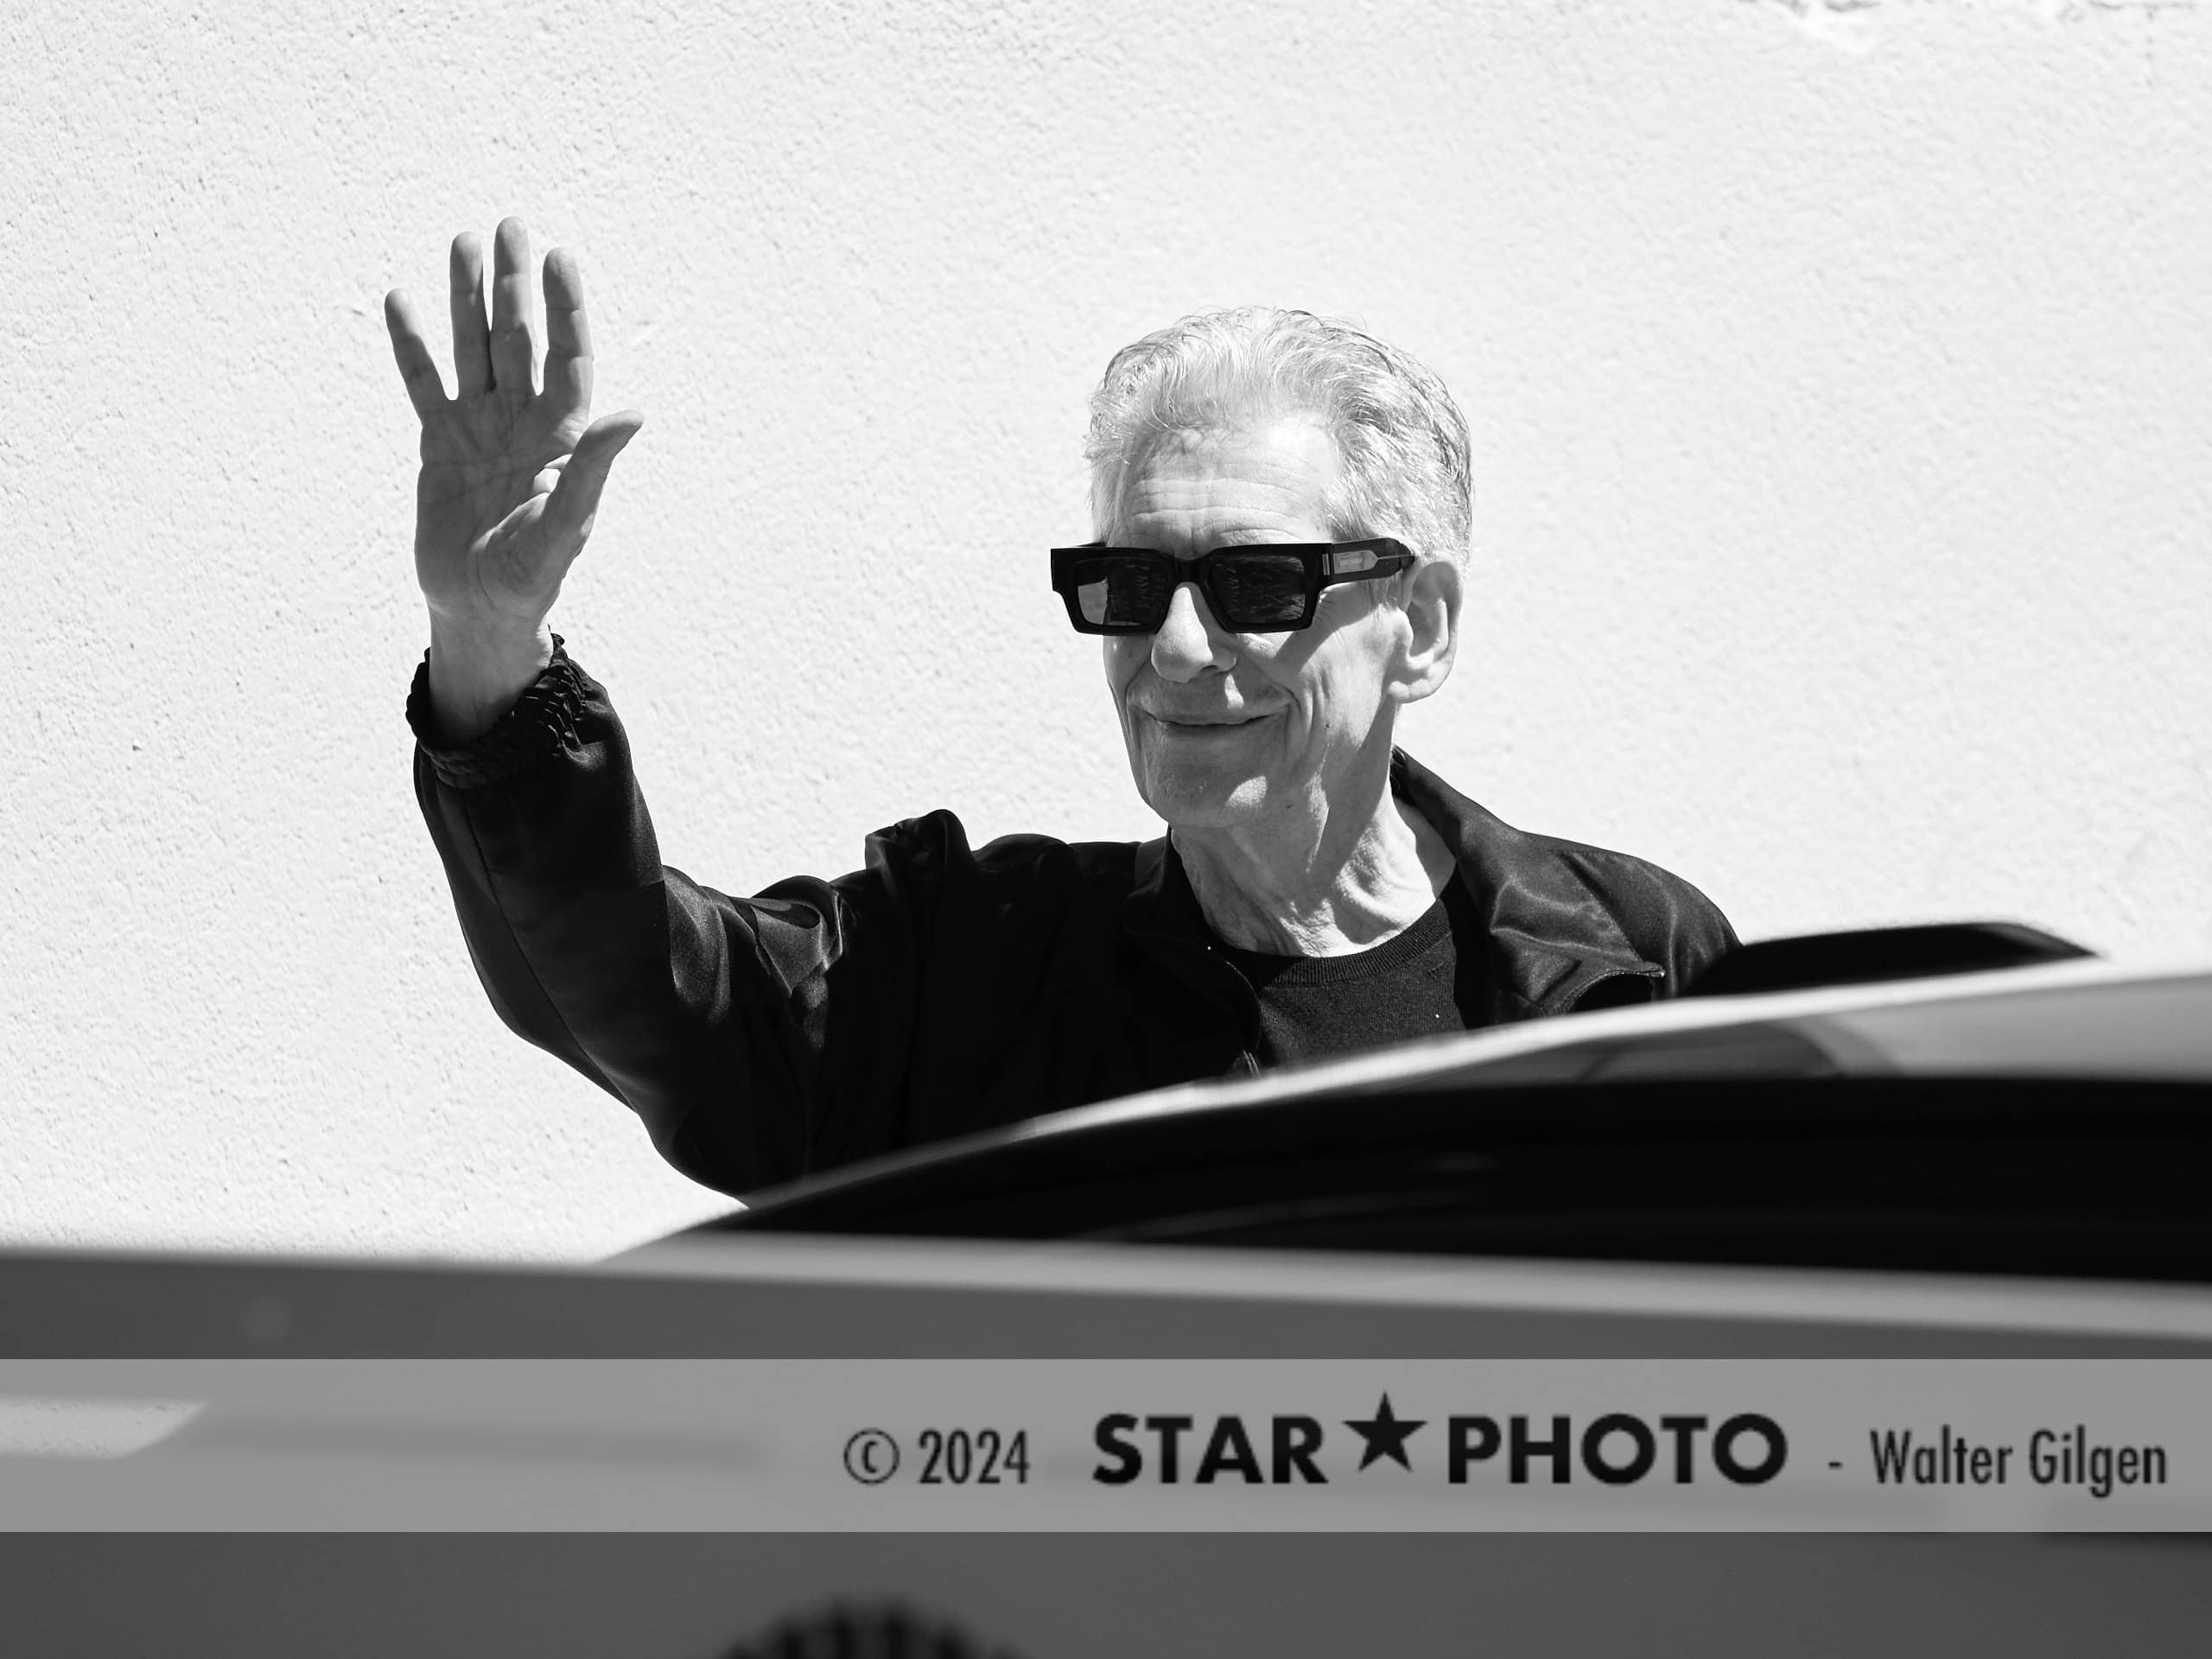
(938, 989)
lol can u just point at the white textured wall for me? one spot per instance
(1838, 374)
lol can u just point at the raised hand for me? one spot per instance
(510, 477)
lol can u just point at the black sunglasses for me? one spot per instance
(1264, 587)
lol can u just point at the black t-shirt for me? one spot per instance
(1419, 983)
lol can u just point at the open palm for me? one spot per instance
(511, 475)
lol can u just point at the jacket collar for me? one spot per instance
(1161, 904)
(1551, 936)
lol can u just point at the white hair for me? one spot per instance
(1401, 440)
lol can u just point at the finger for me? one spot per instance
(568, 338)
(416, 366)
(472, 356)
(575, 498)
(511, 351)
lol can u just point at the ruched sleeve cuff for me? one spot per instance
(541, 725)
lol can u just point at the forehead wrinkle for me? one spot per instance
(1179, 475)
(1244, 524)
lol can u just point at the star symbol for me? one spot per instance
(1385, 1435)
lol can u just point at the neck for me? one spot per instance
(1334, 873)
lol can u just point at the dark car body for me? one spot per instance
(2002, 1165)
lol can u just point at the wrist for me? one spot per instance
(476, 674)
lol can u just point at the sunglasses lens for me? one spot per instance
(1260, 590)
(1121, 594)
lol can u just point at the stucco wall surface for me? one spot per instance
(1837, 374)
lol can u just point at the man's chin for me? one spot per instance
(1200, 797)
(1202, 777)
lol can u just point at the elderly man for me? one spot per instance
(1281, 506)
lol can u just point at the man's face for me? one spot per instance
(1227, 730)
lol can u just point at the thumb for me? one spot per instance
(575, 498)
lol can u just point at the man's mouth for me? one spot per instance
(1203, 723)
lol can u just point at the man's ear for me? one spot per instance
(1431, 608)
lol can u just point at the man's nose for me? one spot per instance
(1187, 643)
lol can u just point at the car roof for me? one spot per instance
(2081, 1019)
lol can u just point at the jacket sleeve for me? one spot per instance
(757, 1037)
(1673, 923)
(1700, 937)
